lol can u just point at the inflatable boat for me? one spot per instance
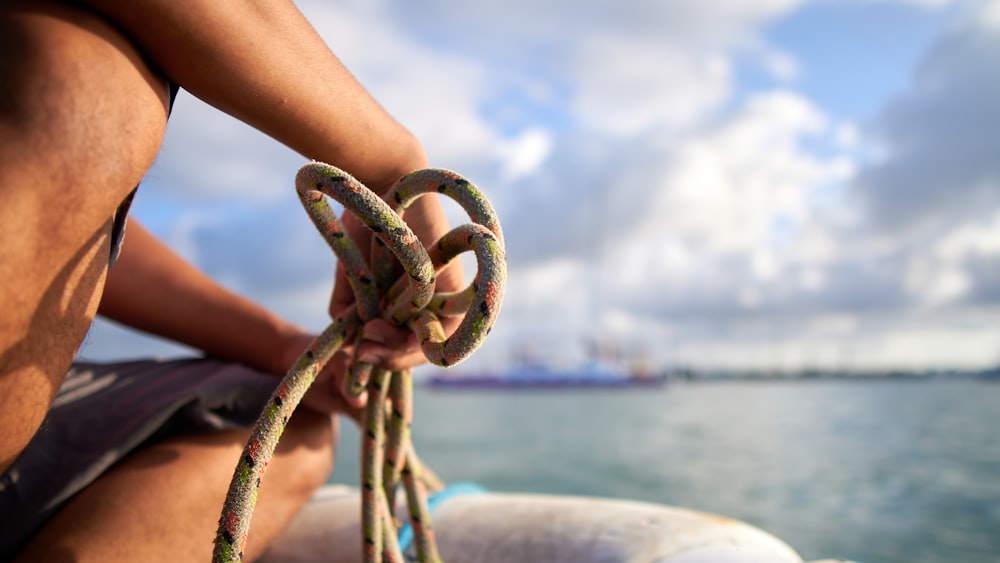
(472, 525)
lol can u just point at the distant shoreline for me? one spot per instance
(823, 375)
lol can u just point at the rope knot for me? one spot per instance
(388, 456)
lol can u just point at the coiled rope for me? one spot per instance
(388, 458)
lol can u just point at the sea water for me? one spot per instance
(880, 471)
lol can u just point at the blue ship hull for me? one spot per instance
(547, 379)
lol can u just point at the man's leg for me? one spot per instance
(81, 119)
(163, 502)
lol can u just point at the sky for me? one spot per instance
(721, 184)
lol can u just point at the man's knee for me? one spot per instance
(74, 88)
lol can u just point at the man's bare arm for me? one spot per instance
(154, 290)
(262, 62)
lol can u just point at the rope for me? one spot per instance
(388, 458)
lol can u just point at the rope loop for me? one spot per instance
(388, 457)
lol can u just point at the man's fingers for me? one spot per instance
(387, 334)
(390, 346)
(395, 348)
(392, 358)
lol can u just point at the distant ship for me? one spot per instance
(536, 375)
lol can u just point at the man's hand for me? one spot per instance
(383, 343)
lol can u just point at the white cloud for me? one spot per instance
(938, 344)
(934, 200)
(990, 14)
(433, 92)
(978, 238)
(812, 279)
(708, 218)
(940, 274)
(834, 325)
(782, 65)
(847, 135)
(551, 289)
(939, 164)
(935, 283)
(725, 221)
(748, 184)
(764, 265)
(624, 87)
(526, 153)
(637, 186)
(924, 4)
(624, 67)
(749, 297)
(208, 156)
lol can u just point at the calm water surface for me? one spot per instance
(876, 471)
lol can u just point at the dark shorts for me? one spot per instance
(103, 412)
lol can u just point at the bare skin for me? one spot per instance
(149, 274)
(83, 107)
(142, 520)
(61, 164)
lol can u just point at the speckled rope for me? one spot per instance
(388, 457)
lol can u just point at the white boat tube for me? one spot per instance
(488, 527)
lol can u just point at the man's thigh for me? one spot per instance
(163, 502)
(107, 413)
(81, 119)
(134, 460)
